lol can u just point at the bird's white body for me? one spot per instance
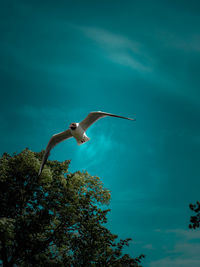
(76, 130)
(79, 134)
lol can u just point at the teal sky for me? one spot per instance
(60, 60)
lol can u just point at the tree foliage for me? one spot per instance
(195, 220)
(56, 219)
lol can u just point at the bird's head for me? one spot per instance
(73, 126)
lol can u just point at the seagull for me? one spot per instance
(76, 130)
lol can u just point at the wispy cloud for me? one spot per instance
(189, 42)
(185, 234)
(109, 39)
(177, 262)
(98, 150)
(185, 252)
(120, 49)
(148, 246)
(93, 153)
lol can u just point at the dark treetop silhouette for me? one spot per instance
(54, 219)
(195, 220)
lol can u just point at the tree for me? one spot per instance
(56, 219)
(195, 220)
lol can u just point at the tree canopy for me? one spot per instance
(55, 219)
(195, 220)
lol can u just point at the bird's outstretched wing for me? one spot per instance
(55, 139)
(96, 115)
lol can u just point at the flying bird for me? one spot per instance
(76, 130)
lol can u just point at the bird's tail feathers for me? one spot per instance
(83, 140)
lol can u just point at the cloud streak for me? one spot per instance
(185, 252)
(120, 49)
(93, 154)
